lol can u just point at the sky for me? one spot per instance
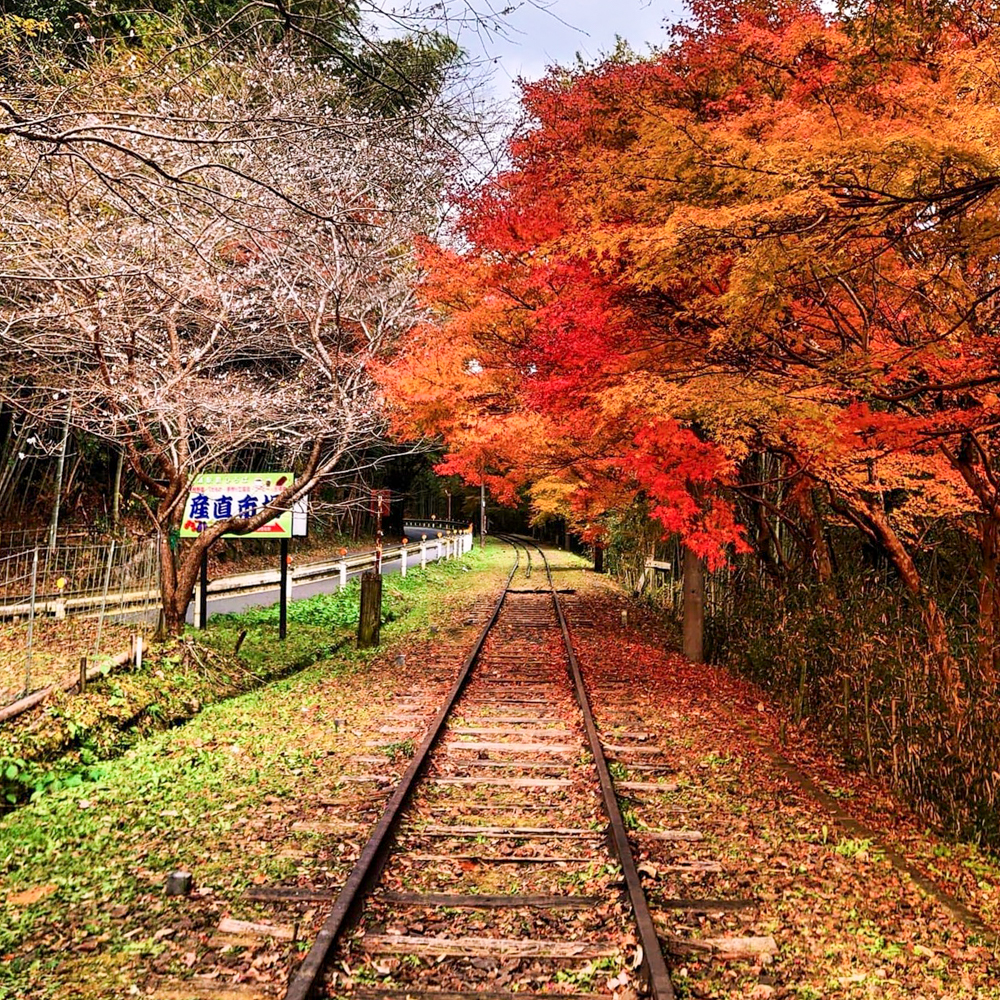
(540, 33)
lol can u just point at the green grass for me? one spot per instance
(60, 745)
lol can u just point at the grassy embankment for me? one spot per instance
(64, 743)
(82, 866)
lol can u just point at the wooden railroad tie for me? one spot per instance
(647, 786)
(561, 748)
(465, 947)
(503, 832)
(507, 782)
(706, 905)
(506, 859)
(484, 902)
(369, 993)
(533, 734)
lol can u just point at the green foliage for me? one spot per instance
(863, 634)
(399, 74)
(400, 750)
(388, 76)
(337, 610)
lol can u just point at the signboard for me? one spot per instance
(218, 496)
(300, 518)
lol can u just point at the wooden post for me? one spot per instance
(598, 558)
(83, 674)
(283, 601)
(694, 607)
(370, 619)
(895, 745)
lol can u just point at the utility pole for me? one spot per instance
(482, 513)
(60, 470)
(370, 615)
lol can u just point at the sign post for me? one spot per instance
(482, 514)
(222, 496)
(283, 600)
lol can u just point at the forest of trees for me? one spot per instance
(737, 297)
(747, 288)
(209, 212)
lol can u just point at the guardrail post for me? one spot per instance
(104, 597)
(423, 555)
(370, 618)
(343, 575)
(402, 561)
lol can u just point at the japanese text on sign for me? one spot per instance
(219, 496)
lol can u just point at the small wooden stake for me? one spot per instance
(370, 619)
(83, 674)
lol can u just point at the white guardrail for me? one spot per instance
(451, 545)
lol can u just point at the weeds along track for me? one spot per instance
(500, 866)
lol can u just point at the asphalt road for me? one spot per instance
(226, 604)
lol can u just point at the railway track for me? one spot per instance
(501, 865)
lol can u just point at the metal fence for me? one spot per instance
(88, 589)
(107, 583)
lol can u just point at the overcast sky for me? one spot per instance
(538, 36)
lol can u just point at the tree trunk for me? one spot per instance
(116, 489)
(933, 620)
(989, 600)
(173, 622)
(598, 558)
(694, 607)
(820, 550)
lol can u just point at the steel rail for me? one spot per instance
(373, 855)
(653, 964)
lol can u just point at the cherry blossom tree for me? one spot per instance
(207, 264)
